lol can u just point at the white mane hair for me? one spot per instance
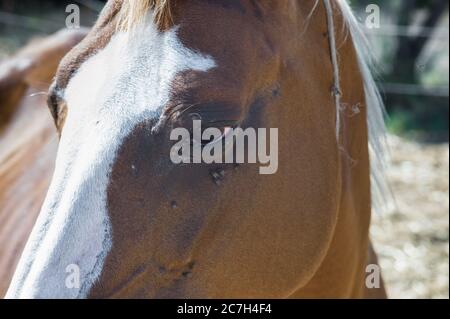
(374, 104)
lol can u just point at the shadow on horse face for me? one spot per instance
(136, 225)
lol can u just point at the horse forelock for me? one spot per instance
(133, 12)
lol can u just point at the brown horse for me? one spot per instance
(122, 220)
(28, 141)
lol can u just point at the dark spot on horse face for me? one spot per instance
(276, 92)
(189, 269)
(261, 103)
(218, 175)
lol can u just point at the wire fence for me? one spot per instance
(408, 31)
(414, 89)
(397, 31)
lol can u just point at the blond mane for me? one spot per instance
(133, 12)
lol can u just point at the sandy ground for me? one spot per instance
(412, 239)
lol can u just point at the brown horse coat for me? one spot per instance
(171, 231)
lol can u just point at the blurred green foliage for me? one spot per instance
(415, 58)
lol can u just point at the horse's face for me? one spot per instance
(119, 212)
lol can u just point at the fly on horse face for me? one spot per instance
(121, 220)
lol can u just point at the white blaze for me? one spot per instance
(124, 84)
